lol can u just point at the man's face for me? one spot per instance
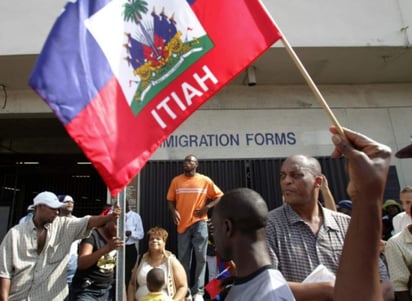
(189, 163)
(406, 200)
(46, 213)
(297, 182)
(219, 236)
(393, 210)
(69, 206)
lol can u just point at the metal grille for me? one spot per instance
(59, 174)
(155, 179)
(55, 174)
(261, 175)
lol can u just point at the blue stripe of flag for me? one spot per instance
(71, 67)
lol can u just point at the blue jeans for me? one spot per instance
(92, 294)
(194, 238)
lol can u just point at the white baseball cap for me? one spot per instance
(47, 198)
(68, 198)
(64, 198)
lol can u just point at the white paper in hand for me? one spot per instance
(320, 274)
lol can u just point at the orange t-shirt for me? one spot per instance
(191, 193)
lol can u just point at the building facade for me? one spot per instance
(357, 53)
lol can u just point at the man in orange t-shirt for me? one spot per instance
(187, 199)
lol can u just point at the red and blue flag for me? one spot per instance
(214, 287)
(122, 75)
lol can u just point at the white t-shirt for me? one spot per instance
(400, 222)
(266, 284)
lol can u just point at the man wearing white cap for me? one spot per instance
(67, 209)
(34, 255)
(404, 219)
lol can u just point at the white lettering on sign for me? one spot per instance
(179, 101)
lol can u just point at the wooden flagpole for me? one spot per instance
(312, 85)
(308, 79)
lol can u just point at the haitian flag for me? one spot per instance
(214, 286)
(122, 75)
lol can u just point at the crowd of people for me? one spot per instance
(354, 249)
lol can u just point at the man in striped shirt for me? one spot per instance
(302, 235)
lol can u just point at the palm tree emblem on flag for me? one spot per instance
(159, 44)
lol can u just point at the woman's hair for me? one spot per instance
(159, 232)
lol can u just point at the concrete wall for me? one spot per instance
(275, 121)
(343, 23)
(259, 118)
(25, 24)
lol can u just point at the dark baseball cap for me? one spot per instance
(405, 152)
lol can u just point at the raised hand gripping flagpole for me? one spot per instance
(121, 286)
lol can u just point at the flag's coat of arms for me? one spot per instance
(122, 75)
(148, 44)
